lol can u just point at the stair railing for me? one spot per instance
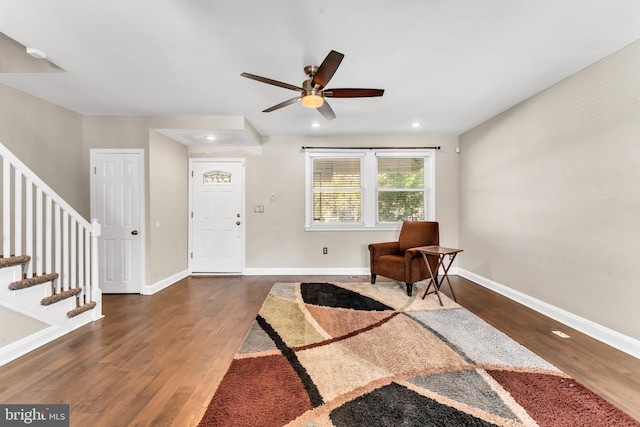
(45, 227)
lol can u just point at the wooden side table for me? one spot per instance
(441, 253)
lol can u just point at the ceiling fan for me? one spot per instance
(313, 91)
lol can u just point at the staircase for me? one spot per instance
(49, 260)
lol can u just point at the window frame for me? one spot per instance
(369, 186)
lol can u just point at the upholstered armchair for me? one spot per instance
(399, 260)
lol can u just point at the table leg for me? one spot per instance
(432, 279)
(446, 274)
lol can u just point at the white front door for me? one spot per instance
(117, 204)
(217, 223)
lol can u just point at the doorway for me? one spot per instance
(117, 202)
(217, 222)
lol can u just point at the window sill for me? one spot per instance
(389, 227)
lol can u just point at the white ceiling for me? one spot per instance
(448, 64)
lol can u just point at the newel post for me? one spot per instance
(96, 292)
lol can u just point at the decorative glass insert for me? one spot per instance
(216, 177)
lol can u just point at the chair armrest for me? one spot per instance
(385, 248)
(412, 253)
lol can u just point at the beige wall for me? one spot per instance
(112, 132)
(550, 194)
(46, 138)
(276, 239)
(17, 326)
(168, 207)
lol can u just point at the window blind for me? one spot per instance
(337, 190)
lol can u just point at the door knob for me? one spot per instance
(237, 222)
(134, 232)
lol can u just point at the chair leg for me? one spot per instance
(373, 279)
(409, 289)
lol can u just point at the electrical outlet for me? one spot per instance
(324, 251)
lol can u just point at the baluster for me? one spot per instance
(73, 283)
(49, 234)
(81, 263)
(65, 251)
(39, 252)
(58, 246)
(6, 208)
(95, 278)
(17, 214)
(87, 272)
(28, 230)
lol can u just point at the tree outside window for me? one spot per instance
(401, 189)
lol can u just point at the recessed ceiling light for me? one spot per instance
(416, 124)
(211, 137)
(315, 125)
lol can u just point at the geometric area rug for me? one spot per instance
(356, 354)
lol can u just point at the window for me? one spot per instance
(367, 188)
(337, 190)
(401, 192)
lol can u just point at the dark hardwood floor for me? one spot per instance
(156, 360)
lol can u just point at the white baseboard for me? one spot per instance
(164, 283)
(306, 271)
(201, 273)
(351, 271)
(23, 346)
(608, 336)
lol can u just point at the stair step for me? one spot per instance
(14, 260)
(61, 296)
(81, 309)
(33, 281)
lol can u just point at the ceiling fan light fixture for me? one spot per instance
(313, 90)
(312, 101)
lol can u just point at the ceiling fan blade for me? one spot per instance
(327, 69)
(283, 104)
(326, 110)
(272, 82)
(352, 93)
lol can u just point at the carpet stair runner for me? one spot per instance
(55, 297)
